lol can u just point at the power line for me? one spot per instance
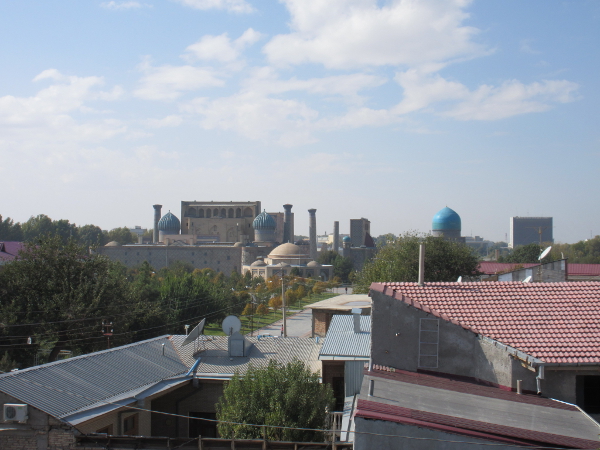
(282, 427)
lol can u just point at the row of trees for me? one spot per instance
(57, 296)
(42, 225)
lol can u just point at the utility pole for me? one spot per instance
(283, 303)
(107, 330)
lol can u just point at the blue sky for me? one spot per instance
(388, 110)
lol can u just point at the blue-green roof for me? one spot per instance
(169, 224)
(263, 222)
(446, 219)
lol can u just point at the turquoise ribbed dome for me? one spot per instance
(446, 219)
(169, 224)
(346, 239)
(263, 222)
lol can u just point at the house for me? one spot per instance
(324, 311)
(345, 353)
(150, 388)
(554, 271)
(471, 342)
(9, 251)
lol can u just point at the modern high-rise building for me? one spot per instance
(527, 230)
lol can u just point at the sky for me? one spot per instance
(388, 110)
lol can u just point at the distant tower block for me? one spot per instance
(336, 236)
(157, 209)
(288, 226)
(312, 234)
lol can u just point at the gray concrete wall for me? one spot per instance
(422, 438)
(219, 258)
(395, 343)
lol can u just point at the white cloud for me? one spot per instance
(266, 80)
(221, 48)
(124, 5)
(486, 102)
(236, 6)
(355, 33)
(287, 122)
(169, 121)
(169, 82)
(513, 98)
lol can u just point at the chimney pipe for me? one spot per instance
(336, 236)
(312, 234)
(157, 209)
(421, 264)
(287, 224)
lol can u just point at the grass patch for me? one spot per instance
(214, 329)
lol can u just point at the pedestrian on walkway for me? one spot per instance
(346, 289)
(281, 329)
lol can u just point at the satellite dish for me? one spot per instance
(459, 280)
(195, 333)
(545, 253)
(231, 324)
(527, 280)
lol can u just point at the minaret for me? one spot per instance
(157, 209)
(312, 230)
(287, 224)
(336, 236)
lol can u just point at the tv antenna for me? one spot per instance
(231, 324)
(542, 256)
(194, 334)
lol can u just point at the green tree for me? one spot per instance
(121, 235)
(36, 227)
(59, 294)
(341, 266)
(277, 396)
(523, 254)
(9, 230)
(91, 236)
(445, 260)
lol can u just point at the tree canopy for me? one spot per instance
(445, 260)
(55, 296)
(341, 266)
(277, 395)
(523, 254)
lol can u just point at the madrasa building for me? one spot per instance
(226, 237)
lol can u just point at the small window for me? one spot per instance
(130, 425)
(588, 393)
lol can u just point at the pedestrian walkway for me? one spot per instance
(297, 325)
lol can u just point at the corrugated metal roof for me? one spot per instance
(215, 358)
(342, 342)
(468, 408)
(64, 387)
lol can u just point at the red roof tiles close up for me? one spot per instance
(554, 322)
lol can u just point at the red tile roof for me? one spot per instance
(9, 250)
(555, 322)
(592, 270)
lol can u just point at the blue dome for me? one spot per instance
(346, 239)
(169, 224)
(263, 222)
(446, 219)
